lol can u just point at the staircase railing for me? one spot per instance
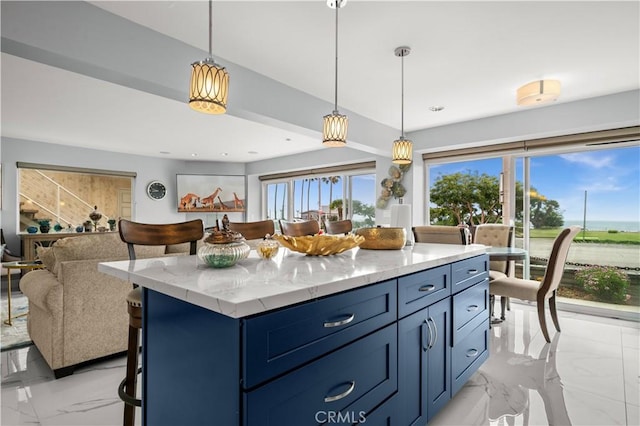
(76, 203)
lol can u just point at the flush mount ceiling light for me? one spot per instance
(334, 130)
(402, 148)
(538, 92)
(209, 81)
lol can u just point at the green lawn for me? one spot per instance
(591, 236)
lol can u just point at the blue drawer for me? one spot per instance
(422, 289)
(356, 378)
(283, 340)
(468, 355)
(470, 309)
(384, 415)
(468, 272)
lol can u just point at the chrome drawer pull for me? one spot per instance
(339, 323)
(341, 395)
(471, 353)
(428, 287)
(472, 271)
(472, 308)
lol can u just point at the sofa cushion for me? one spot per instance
(47, 256)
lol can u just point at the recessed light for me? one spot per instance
(165, 152)
(288, 139)
(224, 154)
(194, 154)
(252, 152)
(436, 108)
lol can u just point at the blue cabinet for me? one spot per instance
(424, 358)
(445, 341)
(390, 353)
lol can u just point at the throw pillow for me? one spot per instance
(2, 251)
(47, 256)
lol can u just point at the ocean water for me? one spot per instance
(605, 225)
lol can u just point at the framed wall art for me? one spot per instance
(210, 193)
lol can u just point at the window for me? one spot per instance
(590, 181)
(66, 196)
(334, 195)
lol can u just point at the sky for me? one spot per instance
(610, 177)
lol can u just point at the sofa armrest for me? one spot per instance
(42, 289)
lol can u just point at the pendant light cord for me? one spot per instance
(336, 85)
(210, 28)
(402, 97)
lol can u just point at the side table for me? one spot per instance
(23, 265)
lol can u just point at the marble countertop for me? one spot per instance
(257, 285)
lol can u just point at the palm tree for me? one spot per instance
(308, 193)
(275, 200)
(331, 180)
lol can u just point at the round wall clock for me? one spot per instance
(156, 190)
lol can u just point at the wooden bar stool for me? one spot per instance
(299, 229)
(144, 234)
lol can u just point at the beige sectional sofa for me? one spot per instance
(77, 314)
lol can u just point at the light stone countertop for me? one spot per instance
(257, 285)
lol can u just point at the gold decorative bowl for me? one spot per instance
(382, 238)
(320, 245)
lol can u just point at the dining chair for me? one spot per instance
(338, 226)
(253, 230)
(145, 234)
(440, 234)
(540, 291)
(299, 229)
(495, 235)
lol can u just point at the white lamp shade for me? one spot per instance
(402, 151)
(401, 218)
(334, 131)
(209, 87)
(538, 92)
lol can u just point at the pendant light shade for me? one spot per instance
(402, 151)
(209, 84)
(209, 87)
(538, 92)
(334, 130)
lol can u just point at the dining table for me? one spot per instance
(508, 254)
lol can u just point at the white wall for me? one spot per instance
(146, 168)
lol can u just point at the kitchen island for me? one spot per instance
(382, 337)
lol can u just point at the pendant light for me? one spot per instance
(334, 131)
(209, 81)
(402, 148)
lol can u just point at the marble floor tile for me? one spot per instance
(587, 375)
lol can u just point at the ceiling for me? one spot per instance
(469, 57)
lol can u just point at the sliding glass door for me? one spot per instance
(596, 189)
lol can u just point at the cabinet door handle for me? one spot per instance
(426, 335)
(428, 287)
(472, 308)
(341, 395)
(472, 271)
(339, 323)
(471, 353)
(435, 332)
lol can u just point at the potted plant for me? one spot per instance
(112, 224)
(45, 225)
